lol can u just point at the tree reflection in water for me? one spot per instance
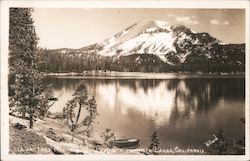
(170, 106)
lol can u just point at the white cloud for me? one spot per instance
(214, 22)
(225, 23)
(187, 20)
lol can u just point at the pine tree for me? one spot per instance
(155, 142)
(46, 101)
(220, 146)
(22, 39)
(92, 112)
(25, 77)
(79, 99)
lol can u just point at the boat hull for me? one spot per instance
(126, 143)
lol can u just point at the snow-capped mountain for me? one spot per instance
(153, 46)
(155, 37)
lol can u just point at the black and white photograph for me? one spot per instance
(150, 81)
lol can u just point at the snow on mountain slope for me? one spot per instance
(156, 43)
(168, 42)
(153, 37)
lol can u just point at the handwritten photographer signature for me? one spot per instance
(211, 141)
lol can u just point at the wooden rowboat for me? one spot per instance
(126, 143)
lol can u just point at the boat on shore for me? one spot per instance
(126, 143)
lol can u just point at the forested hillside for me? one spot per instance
(224, 58)
(154, 46)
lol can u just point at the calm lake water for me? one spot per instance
(185, 112)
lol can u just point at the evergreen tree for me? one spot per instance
(25, 77)
(22, 39)
(89, 119)
(72, 114)
(69, 112)
(81, 97)
(155, 142)
(46, 101)
(221, 146)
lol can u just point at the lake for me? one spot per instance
(184, 111)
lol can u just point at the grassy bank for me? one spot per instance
(24, 141)
(50, 136)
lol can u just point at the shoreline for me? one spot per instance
(80, 144)
(141, 75)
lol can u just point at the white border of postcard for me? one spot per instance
(6, 4)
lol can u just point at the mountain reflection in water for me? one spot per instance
(184, 112)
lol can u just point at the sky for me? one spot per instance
(79, 27)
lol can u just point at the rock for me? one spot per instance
(75, 152)
(56, 151)
(52, 135)
(19, 126)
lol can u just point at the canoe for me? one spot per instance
(126, 143)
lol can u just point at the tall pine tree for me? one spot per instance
(25, 83)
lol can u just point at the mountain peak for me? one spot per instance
(181, 28)
(158, 38)
(153, 23)
(157, 42)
